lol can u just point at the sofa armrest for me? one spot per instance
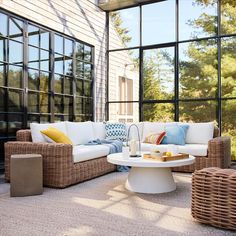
(220, 147)
(57, 160)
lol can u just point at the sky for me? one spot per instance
(159, 21)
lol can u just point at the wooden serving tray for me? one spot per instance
(180, 156)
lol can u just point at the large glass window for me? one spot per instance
(43, 74)
(155, 19)
(158, 74)
(197, 19)
(186, 59)
(126, 30)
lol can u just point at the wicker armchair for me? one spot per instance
(219, 155)
(59, 170)
(214, 197)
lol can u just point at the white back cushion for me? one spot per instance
(38, 137)
(133, 130)
(99, 130)
(80, 132)
(200, 133)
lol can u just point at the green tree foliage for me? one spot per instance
(122, 31)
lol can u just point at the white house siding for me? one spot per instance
(81, 19)
(121, 65)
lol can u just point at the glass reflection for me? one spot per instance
(128, 20)
(44, 60)
(3, 99)
(68, 85)
(3, 49)
(228, 72)
(68, 47)
(161, 112)
(79, 51)
(59, 64)
(3, 28)
(87, 88)
(44, 81)
(2, 75)
(44, 103)
(15, 52)
(58, 104)
(15, 76)
(15, 122)
(3, 125)
(157, 18)
(33, 57)
(158, 74)
(79, 87)
(44, 40)
(15, 29)
(33, 34)
(79, 105)
(193, 111)
(58, 47)
(58, 83)
(68, 66)
(68, 105)
(33, 79)
(33, 102)
(87, 53)
(202, 22)
(15, 101)
(198, 69)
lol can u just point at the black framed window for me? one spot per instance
(43, 75)
(184, 61)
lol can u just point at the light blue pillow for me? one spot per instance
(175, 134)
(116, 131)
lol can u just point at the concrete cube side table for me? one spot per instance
(26, 175)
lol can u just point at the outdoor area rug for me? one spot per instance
(102, 206)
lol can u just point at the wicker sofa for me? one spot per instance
(61, 167)
(214, 197)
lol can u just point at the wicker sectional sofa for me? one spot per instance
(65, 165)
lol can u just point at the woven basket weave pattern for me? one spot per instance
(59, 170)
(214, 197)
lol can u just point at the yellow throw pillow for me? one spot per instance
(56, 135)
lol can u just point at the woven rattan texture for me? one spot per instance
(59, 170)
(219, 155)
(214, 197)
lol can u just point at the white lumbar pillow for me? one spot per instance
(80, 132)
(99, 130)
(38, 137)
(200, 133)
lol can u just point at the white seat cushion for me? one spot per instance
(191, 149)
(99, 130)
(199, 133)
(38, 137)
(80, 132)
(88, 152)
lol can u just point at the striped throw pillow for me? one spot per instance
(155, 138)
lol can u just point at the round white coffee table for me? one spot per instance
(149, 176)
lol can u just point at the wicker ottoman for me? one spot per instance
(214, 197)
(26, 175)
